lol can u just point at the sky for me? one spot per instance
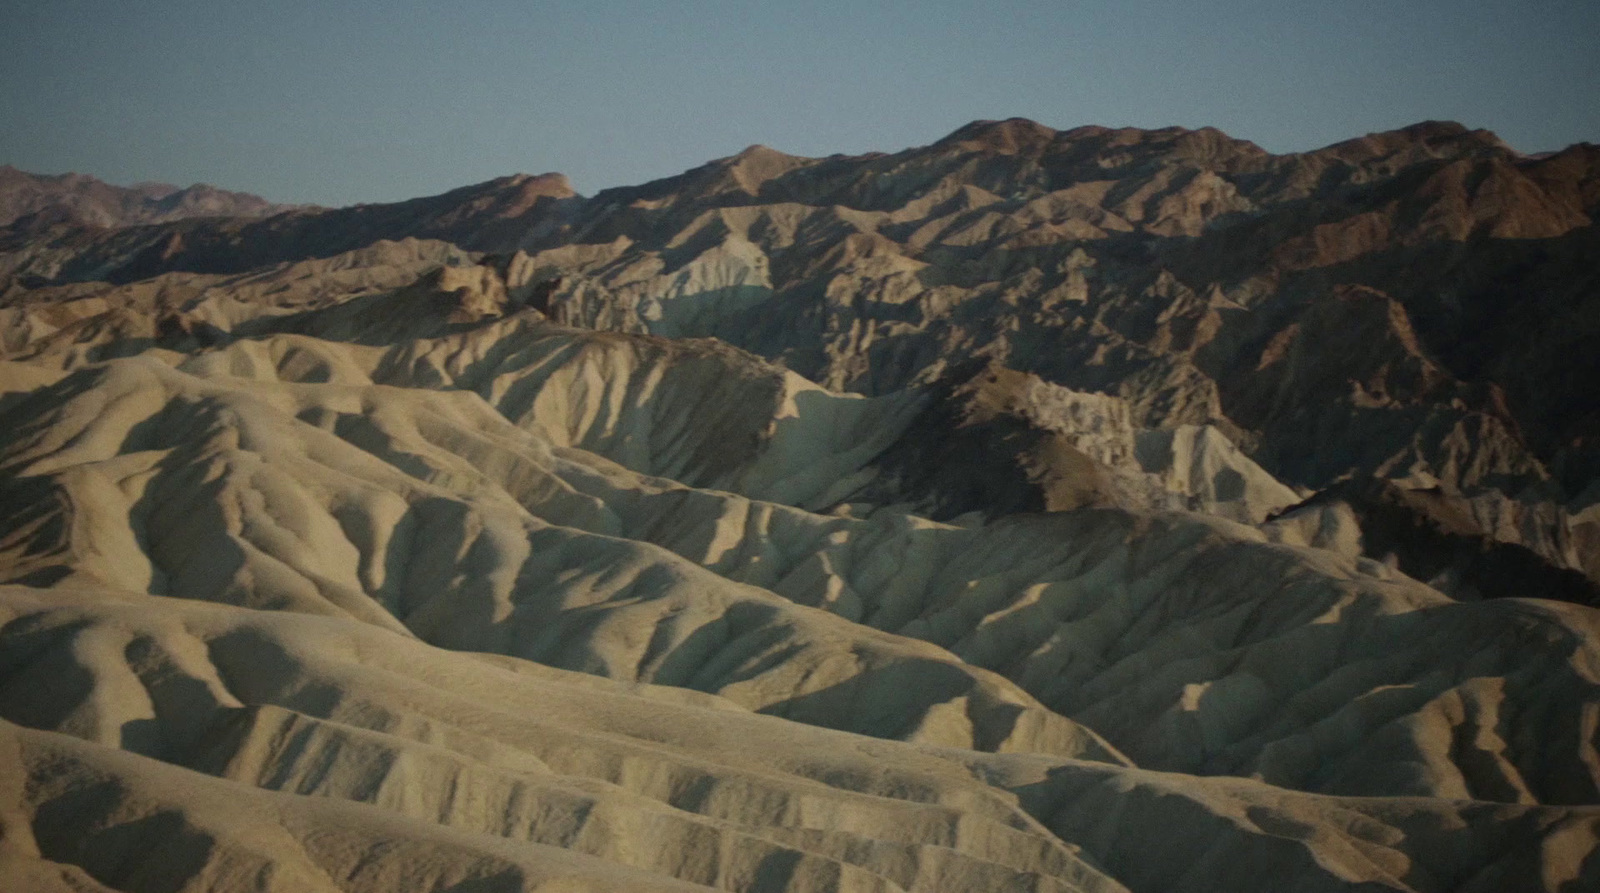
(341, 102)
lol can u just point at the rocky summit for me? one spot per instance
(1086, 510)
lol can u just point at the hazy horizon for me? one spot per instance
(369, 102)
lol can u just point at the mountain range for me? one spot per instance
(1100, 509)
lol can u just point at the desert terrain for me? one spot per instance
(1035, 510)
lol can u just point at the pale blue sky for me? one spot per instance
(338, 102)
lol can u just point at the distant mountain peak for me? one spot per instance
(74, 198)
(1422, 139)
(1010, 136)
(1435, 129)
(758, 150)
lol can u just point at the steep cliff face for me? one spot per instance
(1096, 510)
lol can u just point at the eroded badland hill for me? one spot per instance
(1102, 510)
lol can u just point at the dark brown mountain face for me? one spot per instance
(990, 515)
